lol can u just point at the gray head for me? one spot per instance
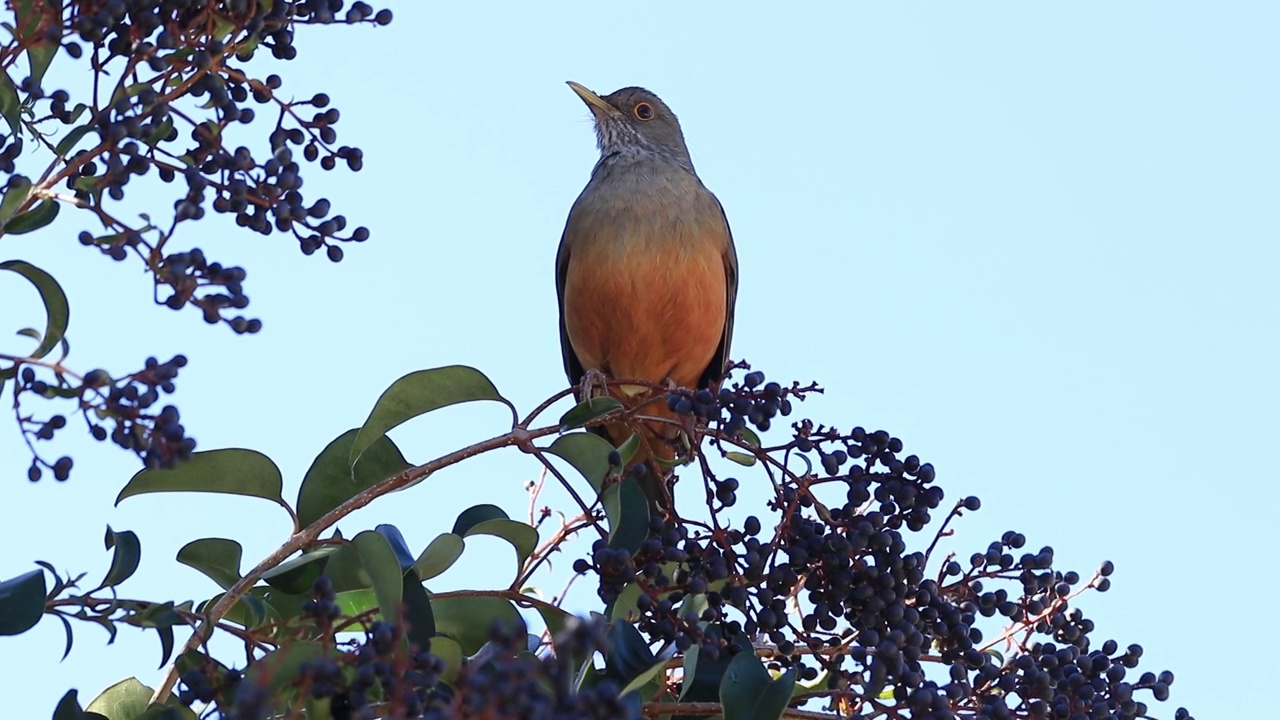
(635, 119)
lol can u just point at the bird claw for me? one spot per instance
(591, 380)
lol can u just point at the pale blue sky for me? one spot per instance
(1037, 243)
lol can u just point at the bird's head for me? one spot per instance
(634, 119)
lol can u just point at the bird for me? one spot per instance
(646, 271)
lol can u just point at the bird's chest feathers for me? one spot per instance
(645, 290)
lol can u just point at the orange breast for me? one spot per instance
(648, 308)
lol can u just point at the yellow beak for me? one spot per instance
(592, 100)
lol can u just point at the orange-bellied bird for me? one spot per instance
(646, 274)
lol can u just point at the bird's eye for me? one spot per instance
(644, 111)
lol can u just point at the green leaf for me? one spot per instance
(747, 691)
(166, 644)
(627, 450)
(356, 602)
(18, 190)
(439, 555)
(27, 17)
(331, 480)
(418, 616)
(555, 618)
(160, 133)
(10, 105)
(621, 608)
(71, 139)
(741, 458)
(468, 619)
(233, 471)
(126, 700)
(419, 393)
(124, 561)
(475, 515)
(379, 561)
(750, 437)
(588, 410)
(68, 708)
(448, 650)
(217, 558)
(629, 655)
(393, 537)
(492, 520)
(21, 602)
(56, 310)
(522, 536)
(588, 453)
(280, 668)
(627, 508)
(35, 218)
(248, 610)
(296, 575)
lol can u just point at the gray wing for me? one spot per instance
(572, 366)
(716, 368)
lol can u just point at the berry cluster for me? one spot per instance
(836, 591)
(174, 87)
(381, 676)
(753, 401)
(157, 438)
(516, 684)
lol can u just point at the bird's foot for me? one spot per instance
(591, 380)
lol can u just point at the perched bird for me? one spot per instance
(646, 274)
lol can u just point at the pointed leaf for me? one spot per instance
(627, 450)
(419, 393)
(621, 608)
(588, 453)
(468, 619)
(393, 537)
(126, 700)
(475, 515)
(125, 559)
(629, 654)
(645, 677)
(748, 692)
(379, 561)
(296, 574)
(10, 105)
(418, 615)
(522, 536)
(233, 471)
(741, 458)
(332, 481)
(57, 312)
(28, 15)
(18, 189)
(166, 644)
(68, 708)
(588, 410)
(66, 649)
(555, 618)
(69, 141)
(217, 558)
(628, 511)
(34, 219)
(21, 602)
(439, 555)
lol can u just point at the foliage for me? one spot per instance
(837, 599)
(170, 87)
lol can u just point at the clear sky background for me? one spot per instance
(1038, 242)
